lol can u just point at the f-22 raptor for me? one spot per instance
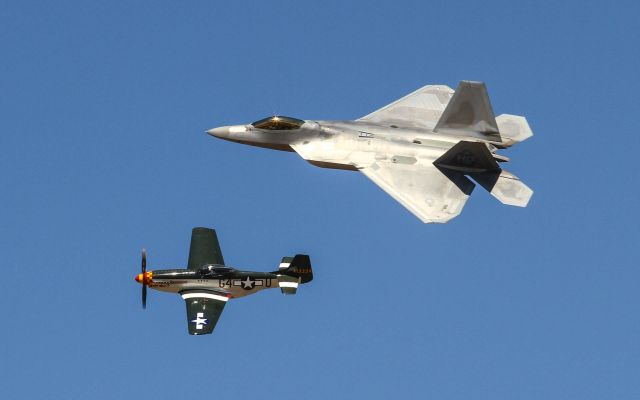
(425, 149)
(207, 283)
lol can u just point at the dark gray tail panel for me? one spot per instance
(468, 158)
(474, 159)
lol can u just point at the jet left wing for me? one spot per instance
(421, 108)
(203, 310)
(433, 195)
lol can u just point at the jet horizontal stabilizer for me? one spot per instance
(513, 129)
(505, 187)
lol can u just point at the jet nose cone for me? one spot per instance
(220, 132)
(226, 132)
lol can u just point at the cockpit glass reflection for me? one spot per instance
(212, 271)
(278, 123)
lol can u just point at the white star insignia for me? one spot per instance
(200, 321)
(247, 283)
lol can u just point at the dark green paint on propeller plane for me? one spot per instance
(207, 283)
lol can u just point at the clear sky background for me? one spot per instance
(103, 108)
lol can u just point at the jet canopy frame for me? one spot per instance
(278, 123)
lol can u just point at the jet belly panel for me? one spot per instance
(361, 151)
(328, 150)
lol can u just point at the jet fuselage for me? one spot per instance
(347, 144)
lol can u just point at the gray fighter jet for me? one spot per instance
(424, 149)
(207, 283)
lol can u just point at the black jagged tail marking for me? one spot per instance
(299, 267)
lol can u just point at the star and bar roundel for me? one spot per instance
(200, 321)
(246, 283)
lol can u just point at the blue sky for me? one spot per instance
(103, 152)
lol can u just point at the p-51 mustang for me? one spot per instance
(421, 149)
(207, 283)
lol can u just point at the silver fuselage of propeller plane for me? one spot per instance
(207, 284)
(229, 282)
(426, 149)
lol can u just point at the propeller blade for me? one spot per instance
(144, 260)
(144, 280)
(144, 296)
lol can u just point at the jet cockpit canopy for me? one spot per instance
(278, 123)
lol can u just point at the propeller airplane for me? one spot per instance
(207, 283)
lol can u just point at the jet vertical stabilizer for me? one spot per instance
(469, 113)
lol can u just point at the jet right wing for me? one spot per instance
(433, 195)
(203, 310)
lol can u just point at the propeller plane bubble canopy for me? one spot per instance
(207, 284)
(428, 150)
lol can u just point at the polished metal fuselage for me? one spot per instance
(235, 284)
(349, 145)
